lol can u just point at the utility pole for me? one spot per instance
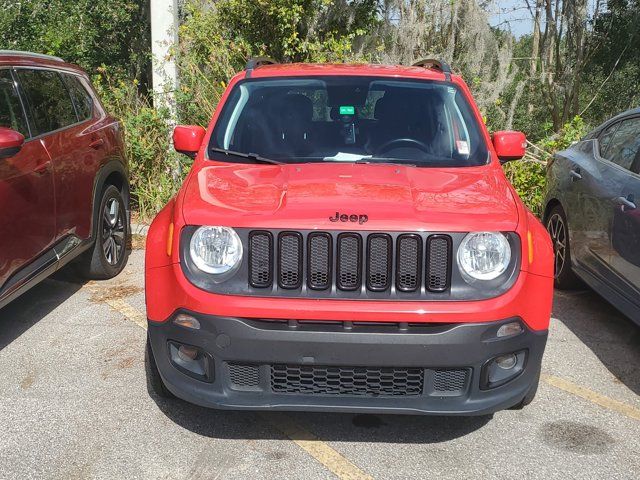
(164, 36)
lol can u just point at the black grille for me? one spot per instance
(347, 380)
(319, 262)
(450, 381)
(438, 259)
(350, 264)
(349, 255)
(260, 259)
(378, 262)
(409, 261)
(290, 260)
(243, 375)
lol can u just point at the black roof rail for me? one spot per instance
(30, 54)
(435, 65)
(256, 62)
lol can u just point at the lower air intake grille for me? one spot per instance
(347, 380)
(243, 375)
(450, 381)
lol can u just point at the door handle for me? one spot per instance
(97, 143)
(575, 174)
(626, 202)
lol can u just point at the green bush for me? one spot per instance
(528, 176)
(155, 171)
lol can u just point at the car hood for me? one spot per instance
(368, 196)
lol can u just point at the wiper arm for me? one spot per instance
(249, 156)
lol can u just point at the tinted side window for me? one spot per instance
(81, 98)
(605, 138)
(11, 113)
(625, 143)
(49, 100)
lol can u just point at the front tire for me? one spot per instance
(155, 385)
(564, 277)
(108, 256)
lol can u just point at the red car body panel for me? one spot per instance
(26, 183)
(51, 182)
(303, 196)
(259, 331)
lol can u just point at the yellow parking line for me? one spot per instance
(131, 313)
(598, 399)
(321, 451)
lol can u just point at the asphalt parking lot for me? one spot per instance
(74, 404)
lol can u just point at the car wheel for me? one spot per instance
(155, 385)
(564, 278)
(108, 256)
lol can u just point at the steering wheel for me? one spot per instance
(410, 142)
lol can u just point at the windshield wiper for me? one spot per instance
(254, 157)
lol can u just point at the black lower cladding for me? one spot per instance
(348, 367)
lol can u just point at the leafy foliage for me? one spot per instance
(517, 82)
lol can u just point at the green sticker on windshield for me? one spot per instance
(347, 110)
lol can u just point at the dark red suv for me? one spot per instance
(64, 191)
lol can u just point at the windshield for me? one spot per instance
(349, 119)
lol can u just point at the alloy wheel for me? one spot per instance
(558, 232)
(113, 231)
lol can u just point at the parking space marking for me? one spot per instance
(331, 459)
(582, 392)
(319, 450)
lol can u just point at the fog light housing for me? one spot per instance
(502, 369)
(191, 361)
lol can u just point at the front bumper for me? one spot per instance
(257, 345)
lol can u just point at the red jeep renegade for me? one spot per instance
(64, 191)
(347, 241)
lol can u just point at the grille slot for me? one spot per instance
(244, 375)
(362, 381)
(450, 381)
(260, 259)
(408, 263)
(349, 261)
(379, 262)
(290, 260)
(438, 258)
(319, 261)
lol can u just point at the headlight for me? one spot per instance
(216, 250)
(483, 256)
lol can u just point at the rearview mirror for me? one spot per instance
(187, 139)
(10, 142)
(509, 145)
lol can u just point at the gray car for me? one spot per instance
(592, 212)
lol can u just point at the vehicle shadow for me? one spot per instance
(611, 336)
(27, 310)
(407, 429)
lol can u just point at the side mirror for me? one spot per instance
(10, 142)
(509, 145)
(187, 139)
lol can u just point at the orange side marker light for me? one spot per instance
(170, 239)
(530, 242)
